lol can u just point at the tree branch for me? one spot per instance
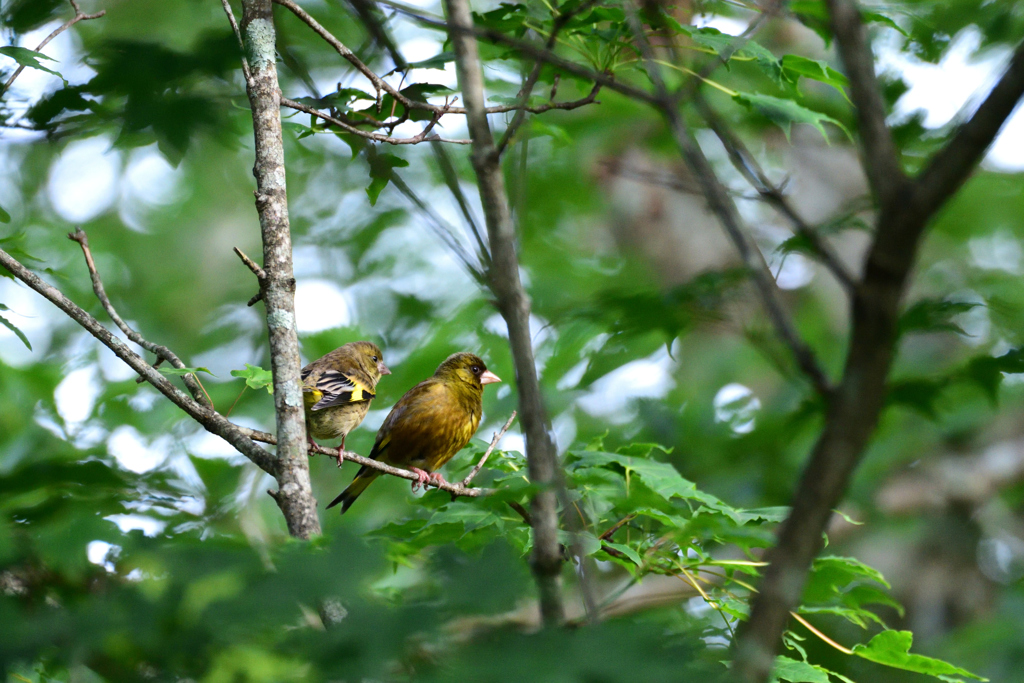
(953, 164)
(745, 162)
(212, 421)
(380, 85)
(295, 496)
(721, 204)
(531, 50)
(857, 404)
(161, 352)
(546, 559)
(423, 136)
(880, 159)
(79, 16)
(456, 489)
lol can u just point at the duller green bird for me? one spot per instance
(429, 425)
(338, 388)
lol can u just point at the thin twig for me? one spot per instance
(79, 16)
(494, 442)
(531, 80)
(212, 421)
(423, 136)
(615, 527)
(745, 162)
(451, 179)
(241, 43)
(161, 352)
(261, 275)
(380, 85)
(723, 207)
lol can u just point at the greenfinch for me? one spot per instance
(338, 388)
(430, 424)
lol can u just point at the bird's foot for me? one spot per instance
(421, 478)
(314, 447)
(341, 448)
(436, 478)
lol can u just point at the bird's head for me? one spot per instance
(468, 368)
(370, 359)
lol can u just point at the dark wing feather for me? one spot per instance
(340, 389)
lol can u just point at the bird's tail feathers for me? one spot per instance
(364, 478)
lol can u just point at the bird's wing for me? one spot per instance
(412, 409)
(424, 428)
(336, 388)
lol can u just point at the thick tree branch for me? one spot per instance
(161, 352)
(857, 404)
(295, 495)
(514, 306)
(881, 162)
(212, 421)
(79, 16)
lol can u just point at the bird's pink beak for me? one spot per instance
(383, 369)
(489, 378)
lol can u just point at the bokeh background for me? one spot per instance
(643, 332)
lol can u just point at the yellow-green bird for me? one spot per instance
(429, 425)
(337, 390)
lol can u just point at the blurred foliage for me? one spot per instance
(134, 546)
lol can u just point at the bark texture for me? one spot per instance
(294, 495)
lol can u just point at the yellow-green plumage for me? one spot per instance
(338, 388)
(430, 424)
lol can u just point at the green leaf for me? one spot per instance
(879, 18)
(627, 551)
(374, 189)
(9, 325)
(784, 113)
(987, 371)
(723, 44)
(920, 394)
(4, 216)
(934, 315)
(380, 172)
(179, 372)
(256, 377)
(795, 671)
(436, 62)
(29, 58)
(795, 66)
(892, 648)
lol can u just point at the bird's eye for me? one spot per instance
(375, 359)
(475, 369)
